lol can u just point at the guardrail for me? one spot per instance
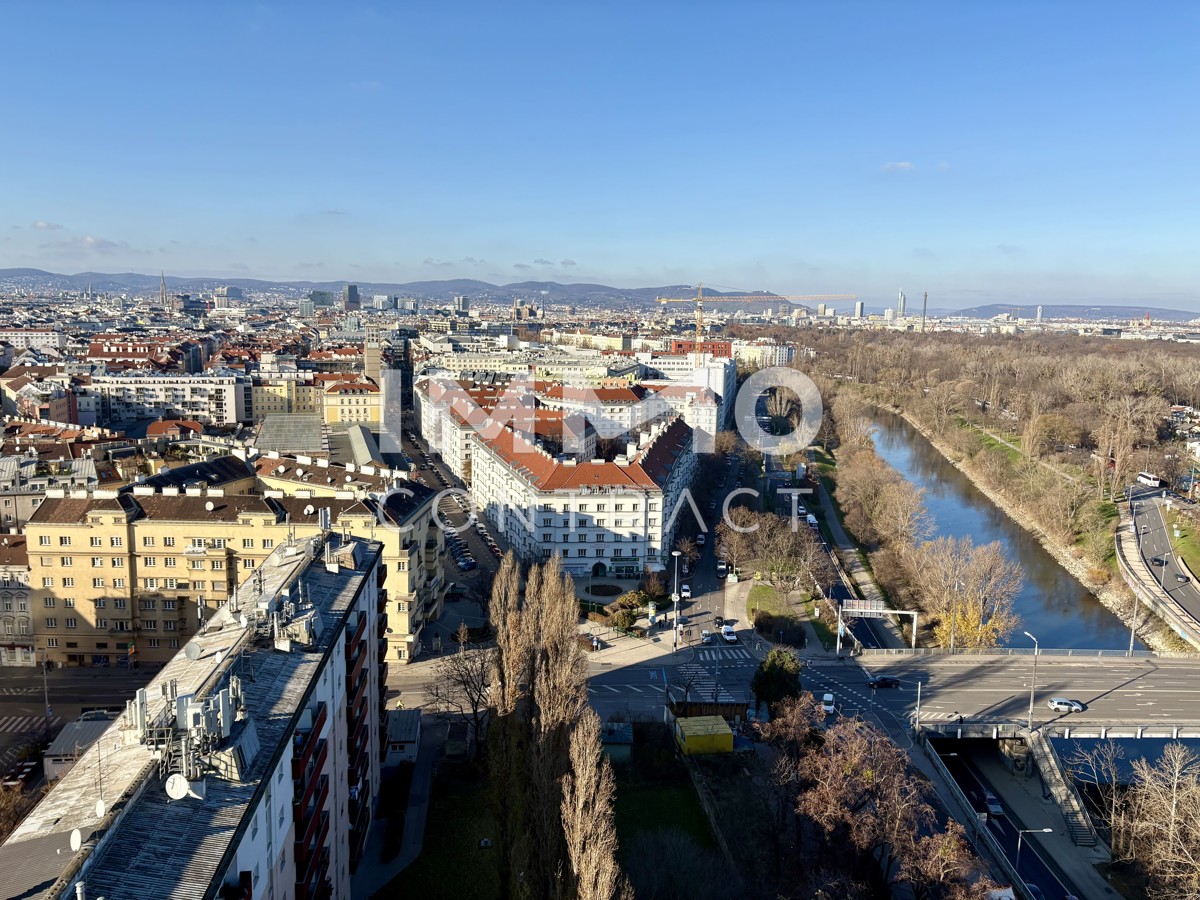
(1054, 776)
(977, 831)
(1159, 601)
(1004, 652)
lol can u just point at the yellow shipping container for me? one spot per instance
(703, 734)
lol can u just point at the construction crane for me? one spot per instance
(700, 300)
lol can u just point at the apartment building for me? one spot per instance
(34, 338)
(249, 766)
(353, 403)
(213, 398)
(604, 518)
(16, 619)
(448, 413)
(760, 354)
(132, 575)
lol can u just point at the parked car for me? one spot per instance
(685, 592)
(883, 681)
(722, 569)
(719, 621)
(1062, 704)
(827, 703)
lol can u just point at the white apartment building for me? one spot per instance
(604, 518)
(250, 764)
(211, 399)
(759, 355)
(35, 338)
(719, 375)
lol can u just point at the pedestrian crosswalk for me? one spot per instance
(711, 654)
(19, 691)
(698, 683)
(25, 724)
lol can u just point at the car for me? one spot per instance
(722, 570)
(1145, 528)
(1158, 561)
(719, 621)
(706, 637)
(1181, 578)
(827, 703)
(728, 633)
(1062, 704)
(883, 681)
(685, 592)
(993, 804)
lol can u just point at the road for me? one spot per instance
(996, 689)
(71, 691)
(1033, 868)
(1155, 541)
(702, 672)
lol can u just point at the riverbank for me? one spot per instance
(1111, 598)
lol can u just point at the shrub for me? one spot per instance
(764, 622)
(625, 619)
(599, 618)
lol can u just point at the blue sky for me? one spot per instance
(985, 152)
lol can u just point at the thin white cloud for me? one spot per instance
(542, 262)
(42, 225)
(898, 167)
(568, 263)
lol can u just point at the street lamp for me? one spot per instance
(675, 602)
(1021, 833)
(954, 612)
(1033, 681)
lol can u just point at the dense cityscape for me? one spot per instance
(585, 452)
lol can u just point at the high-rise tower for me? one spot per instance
(900, 305)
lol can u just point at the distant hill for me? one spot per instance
(553, 291)
(1081, 312)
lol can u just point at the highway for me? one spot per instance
(996, 689)
(1155, 542)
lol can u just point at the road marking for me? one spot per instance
(22, 724)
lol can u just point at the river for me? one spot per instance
(1053, 606)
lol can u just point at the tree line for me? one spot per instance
(965, 593)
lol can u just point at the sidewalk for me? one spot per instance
(847, 553)
(1030, 809)
(373, 873)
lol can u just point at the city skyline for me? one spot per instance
(984, 155)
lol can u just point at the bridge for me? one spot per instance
(1138, 695)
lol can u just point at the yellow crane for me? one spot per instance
(700, 300)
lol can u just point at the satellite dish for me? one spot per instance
(77, 840)
(243, 621)
(309, 510)
(100, 808)
(349, 477)
(220, 655)
(177, 786)
(192, 651)
(299, 473)
(210, 506)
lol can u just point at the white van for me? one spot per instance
(811, 520)
(827, 703)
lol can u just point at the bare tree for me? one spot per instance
(589, 795)
(971, 590)
(688, 548)
(460, 685)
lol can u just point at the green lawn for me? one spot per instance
(451, 864)
(1187, 545)
(646, 807)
